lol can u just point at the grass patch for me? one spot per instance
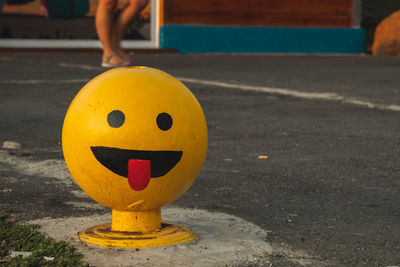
(15, 237)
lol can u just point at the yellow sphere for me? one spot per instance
(134, 138)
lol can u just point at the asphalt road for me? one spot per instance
(328, 126)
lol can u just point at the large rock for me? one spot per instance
(387, 36)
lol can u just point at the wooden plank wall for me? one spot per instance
(288, 13)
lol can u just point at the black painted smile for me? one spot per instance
(116, 159)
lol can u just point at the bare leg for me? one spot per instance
(124, 20)
(104, 26)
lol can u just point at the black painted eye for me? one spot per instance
(116, 118)
(164, 121)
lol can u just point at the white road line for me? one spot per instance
(270, 90)
(44, 81)
(333, 97)
(80, 66)
(293, 93)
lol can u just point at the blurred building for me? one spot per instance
(283, 26)
(241, 26)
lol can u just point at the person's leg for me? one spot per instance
(125, 19)
(105, 28)
(104, 23)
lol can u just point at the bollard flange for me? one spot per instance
(168, 234)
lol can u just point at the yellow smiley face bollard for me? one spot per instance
(135, 139)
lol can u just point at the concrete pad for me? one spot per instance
(223, 240)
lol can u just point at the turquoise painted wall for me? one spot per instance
(230, 39)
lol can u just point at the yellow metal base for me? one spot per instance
(169, 234)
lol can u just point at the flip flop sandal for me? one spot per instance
(125, 56)
(119, 63)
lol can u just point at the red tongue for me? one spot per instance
(139, 173)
